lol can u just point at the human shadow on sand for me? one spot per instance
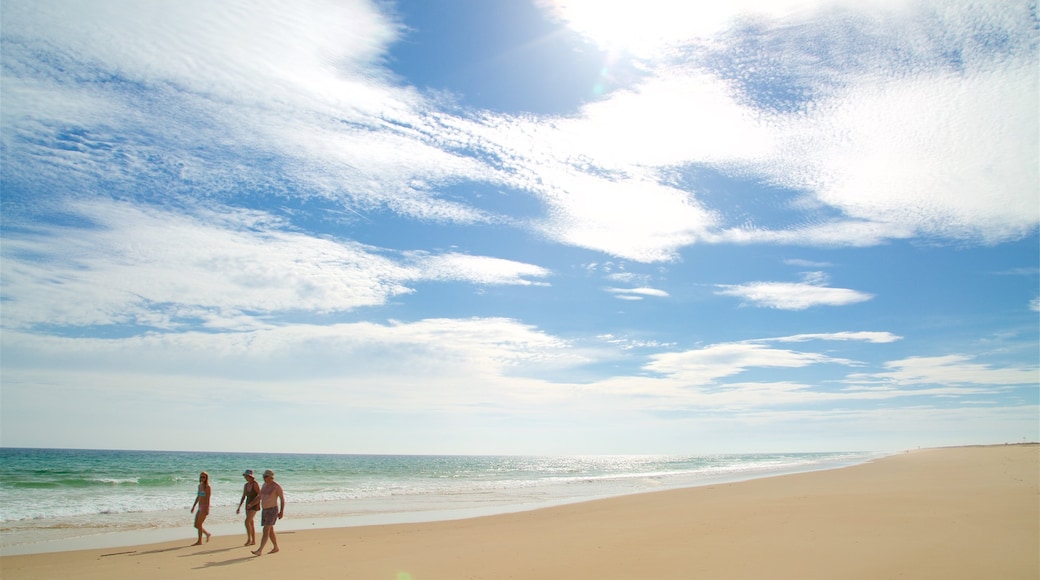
(161, 550)
(208, 552)
(225, 562)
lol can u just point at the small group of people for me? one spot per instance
(269, 500)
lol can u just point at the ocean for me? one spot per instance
(61, 499)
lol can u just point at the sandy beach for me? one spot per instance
(966, 512)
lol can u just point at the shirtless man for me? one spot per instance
(270, 513)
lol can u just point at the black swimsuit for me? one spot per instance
(251, 494)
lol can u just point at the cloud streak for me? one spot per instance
(866, 336)
(704, 366)
(948, 370)
(792, 295)
(156, 268)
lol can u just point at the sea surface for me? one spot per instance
(61, 499)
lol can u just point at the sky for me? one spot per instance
(519, 226)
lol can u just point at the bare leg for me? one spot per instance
(263, 541)
(199, 519)
(250, 529)
(274, 541)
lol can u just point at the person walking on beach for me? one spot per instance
(202, 502)
(251, 497)
(270, 495)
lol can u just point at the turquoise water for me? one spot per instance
(49, 497)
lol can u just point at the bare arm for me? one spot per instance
(281, 497)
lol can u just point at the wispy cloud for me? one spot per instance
(866, 336)
(147, 266)
(1025, 271)
(947, 370)
(306, 90)
(655, 27)
(702, 366)
(630, 343)
(637, 293)
(710, 378)
(898, 149)
(302, 88)
(807, 263)
(433, 363)
(794, 295)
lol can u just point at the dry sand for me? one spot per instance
(966, 512)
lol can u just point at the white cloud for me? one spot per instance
(630, 343)
(629, 297)
(302, 85)
(432, 362)
(865, 336)
(625, 277)
(792, 295)
(478, 270)
(946, 370)
(898, 153)
(256, 52)
(941, 155)
(651, 27)
(599, 174)
(158, 268)
(631, 218)
(479, 367)
(703, 366)
(640, 221)
(1034, 304)
(636, 293)
(857, 233)
(874, 393)
(678, 115)
(901, 147)
(807, 263)
(698, 380)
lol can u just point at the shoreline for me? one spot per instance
(417, 509)
(960, 512)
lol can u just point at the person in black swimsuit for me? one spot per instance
(251, 497)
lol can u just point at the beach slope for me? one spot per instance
(966, 512)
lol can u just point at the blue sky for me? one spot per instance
(460, 226)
